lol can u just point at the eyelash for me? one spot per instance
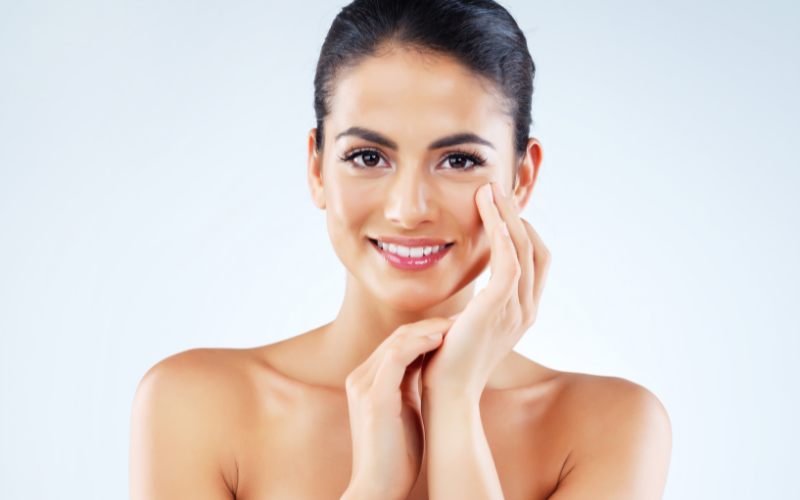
(473, 156)
(355, 152)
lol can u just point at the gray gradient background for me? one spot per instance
(153, 199)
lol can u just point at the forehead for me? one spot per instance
(411, 96)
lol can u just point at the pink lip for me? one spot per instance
(420, 241)
(412, 263)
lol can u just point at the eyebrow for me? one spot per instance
(369, 135)
(456, 139)
(444, 142)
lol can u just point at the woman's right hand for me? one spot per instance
(385, 419)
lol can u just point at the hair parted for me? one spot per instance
(480, 34)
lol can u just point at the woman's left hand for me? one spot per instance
(497, 317)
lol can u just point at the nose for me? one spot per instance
(408, 203)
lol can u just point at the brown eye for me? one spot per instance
(458, 162)
(370, 159)
(365, 158)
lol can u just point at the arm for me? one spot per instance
(460, 463)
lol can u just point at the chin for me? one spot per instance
(412, 300)
(417, 293)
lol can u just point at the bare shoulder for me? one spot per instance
(610, 438)
(189, 410)
(199, 379)
(588, 405)
(620, 438)
(611, 406)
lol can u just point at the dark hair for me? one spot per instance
(480, 34)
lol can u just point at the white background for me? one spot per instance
(153, 199)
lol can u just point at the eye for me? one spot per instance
(462, 161)
(369, 158)
(365, 158)
(458, 161)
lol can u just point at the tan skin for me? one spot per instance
(353, 409)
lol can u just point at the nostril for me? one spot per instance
(406, 204)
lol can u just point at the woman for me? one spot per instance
(422, 160)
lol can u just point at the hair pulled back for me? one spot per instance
(480, 34)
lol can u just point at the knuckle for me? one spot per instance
(394, 351)
(516, 269)
(528, 313)
(352, 386)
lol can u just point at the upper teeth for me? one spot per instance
(409, 252)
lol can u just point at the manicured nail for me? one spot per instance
(500, 188)
(435, 336)
(504, 229)
(489, 191)
(455, 316)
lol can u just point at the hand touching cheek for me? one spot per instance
(497, 317)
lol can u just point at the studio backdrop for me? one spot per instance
(153, 199)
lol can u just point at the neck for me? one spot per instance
(364, 322)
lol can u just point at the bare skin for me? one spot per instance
(398, 397)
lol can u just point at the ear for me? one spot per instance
(527, 173)
(315, 171)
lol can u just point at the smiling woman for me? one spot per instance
(413, 391)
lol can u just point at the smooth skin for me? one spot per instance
(413, 391)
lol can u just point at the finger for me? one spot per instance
(541, 262)
(374, 359)
(522, 245)
(488, 212)
(491, 221)
(398, 357)
(409, 386)
(503, 284)
(428, 326)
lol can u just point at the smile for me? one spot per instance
(411, 257)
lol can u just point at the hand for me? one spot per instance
(385, 420)
(497, 317)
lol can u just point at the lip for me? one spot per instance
(412, 263)
(418, 241)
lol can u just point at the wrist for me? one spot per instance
(452, 394)
(451, 401)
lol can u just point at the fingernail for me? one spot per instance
(455, 316)
(504, 228)
(489, 190)
(435, 336)
(500, 188)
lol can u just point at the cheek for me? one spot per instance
(349, 204)
(459, 201)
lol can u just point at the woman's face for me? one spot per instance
(409, 140)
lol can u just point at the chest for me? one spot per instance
(303, 451)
